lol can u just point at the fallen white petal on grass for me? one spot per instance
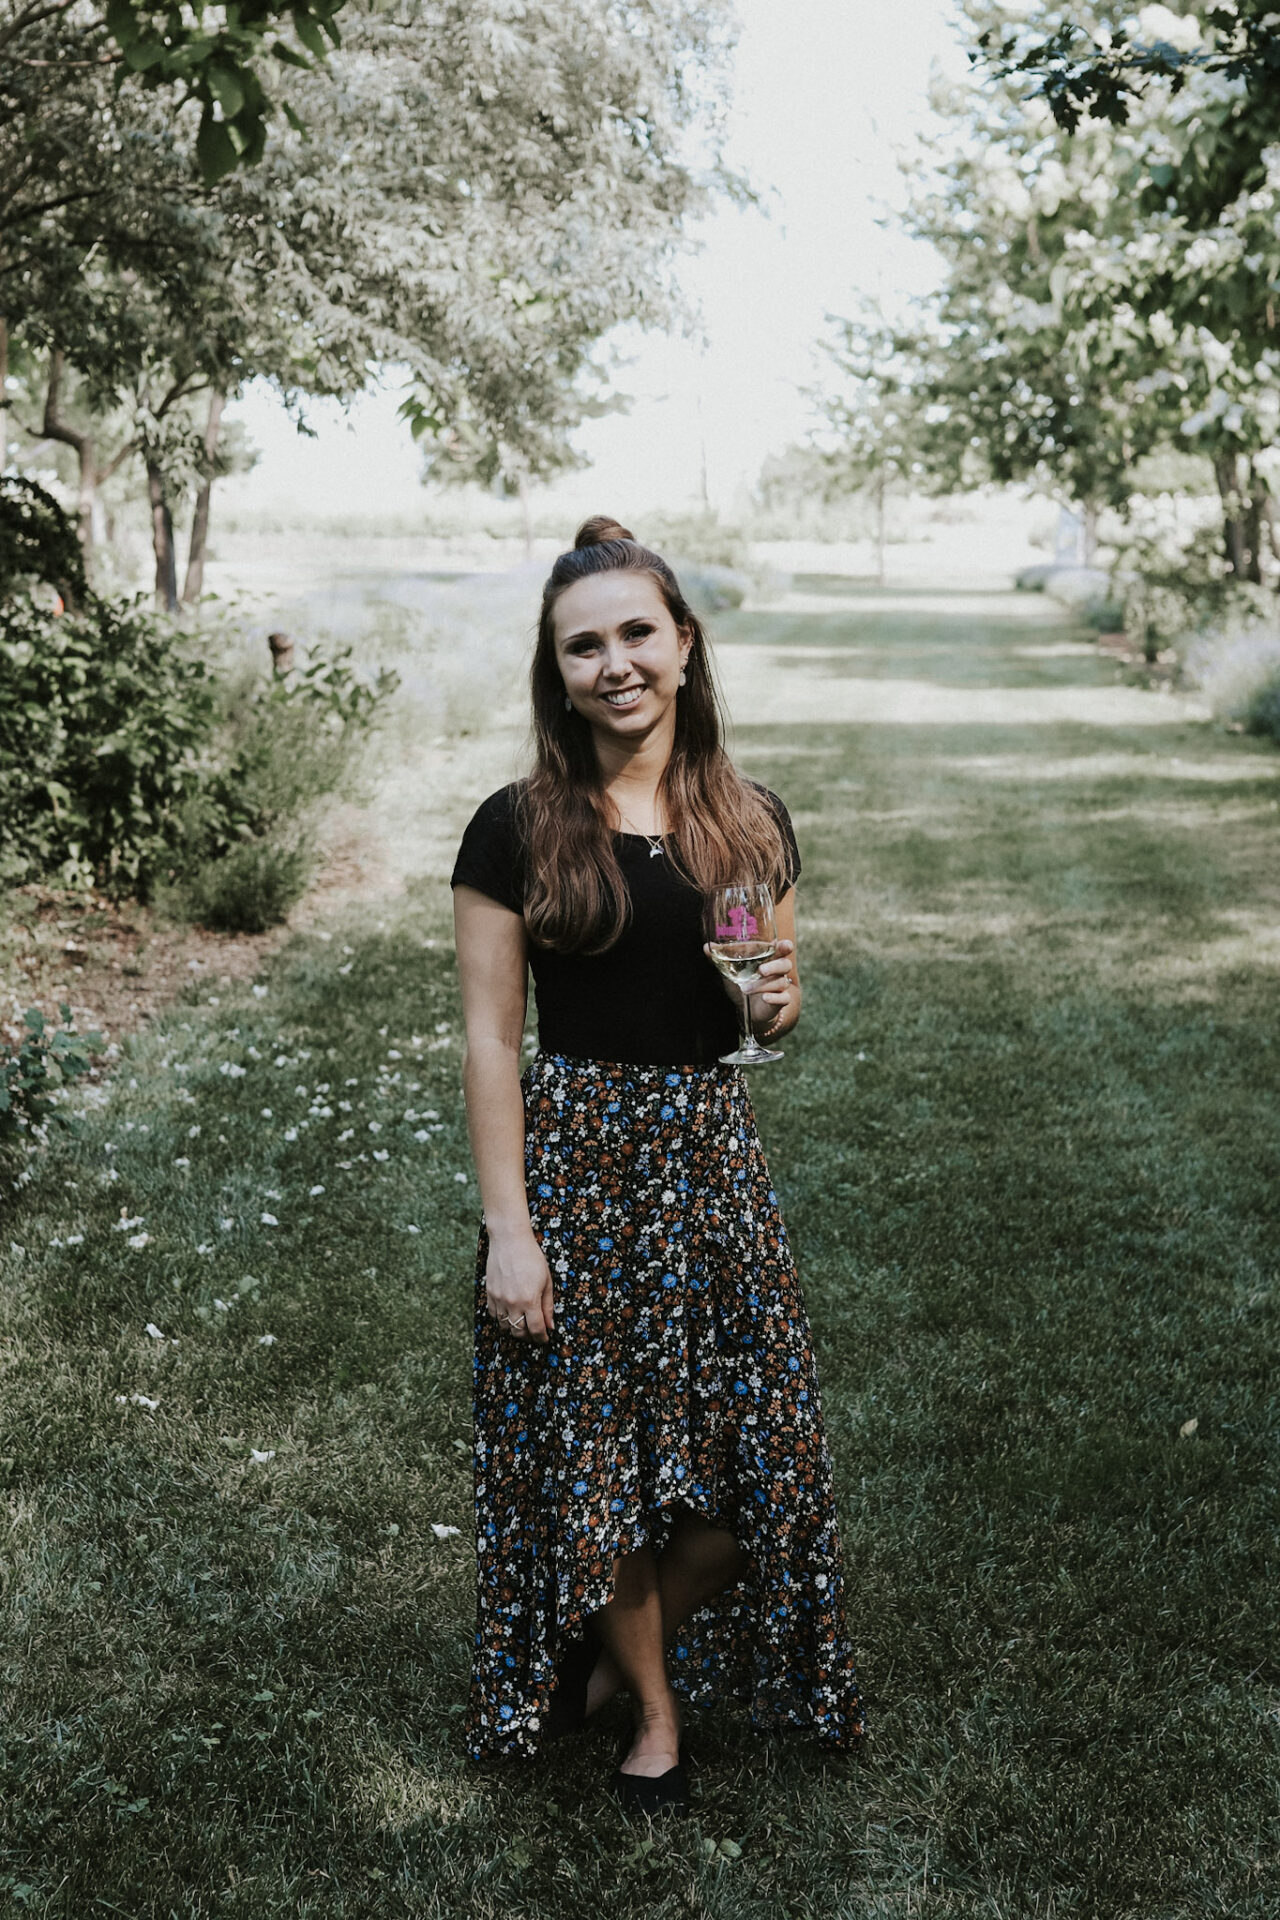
(315, 1191)
(380, 1153)
(442, 1532)
(75, 1240)
(223, 1306)
(193, 1133)
(442, 1026)
(266, 1339)
(1187, 1428)
(226, 1225)
(154, 1330)
(183, 1162)
(291, 1133)
(422, 1133)
(136, 1400)
(412, 1229)
(461, 1179)
(347, 968)
(124, 1224)
(266, 1113)
(348, 1133)
(204, 1247)
(259, 993)
(260, 1459)
(138, 1241)
(269, 1220)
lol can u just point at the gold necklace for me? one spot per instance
(655, 840)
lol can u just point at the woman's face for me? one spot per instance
(620, 652)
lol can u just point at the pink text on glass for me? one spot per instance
(742, 926)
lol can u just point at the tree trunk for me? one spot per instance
(1089, 542)
(162, 540)
(1226, 471)
(55, 428)
(193, 585)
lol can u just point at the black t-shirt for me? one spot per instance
(653, 998)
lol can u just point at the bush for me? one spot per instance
(33, 1072)
(250, 888)
(104, 722)
(1237, 667)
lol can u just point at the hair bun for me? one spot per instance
(594, 532)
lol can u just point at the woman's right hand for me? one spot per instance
(517, 1280)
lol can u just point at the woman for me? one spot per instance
(652, 1481)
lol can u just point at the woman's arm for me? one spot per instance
(493, 970)
(780, 1001)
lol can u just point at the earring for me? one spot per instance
(682, 676)
(568, 704)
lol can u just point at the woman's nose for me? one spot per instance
(616, 664)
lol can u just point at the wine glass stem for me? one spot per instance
(748, 1037)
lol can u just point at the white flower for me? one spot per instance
(259, 993)
(291, 1133)
(124, 1223)
(380, 1153)
(301, 1092)
(394, 1053)
(348, 1133)
(442, 1026)
(269, 1220)
(430, 1114)
(324, 936)
(282, 1060)
(347, 968)
(266, 1339)
(193, 1133)
(223, 1306)
(232, 1070)
(375, 1126)
(75, 1240)
(204, 1247)
(154, 1330)
(184, 1162)
(138, 1240)
(422, 1133)
(226, 1225)
(137, 1400)
(261, 1459)
(266, 1113)
(412, 1229)
(461, 1179)
(443, 1532)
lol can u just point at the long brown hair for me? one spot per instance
(721, 827)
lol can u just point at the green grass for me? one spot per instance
(1028, 1152)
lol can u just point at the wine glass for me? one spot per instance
(741, 933)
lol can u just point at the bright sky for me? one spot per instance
(826, 93)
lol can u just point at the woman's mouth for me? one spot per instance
(626, 697)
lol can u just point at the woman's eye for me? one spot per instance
(639, 633)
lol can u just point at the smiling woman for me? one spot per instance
(652, 1475)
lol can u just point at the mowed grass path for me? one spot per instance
(1028, 1151)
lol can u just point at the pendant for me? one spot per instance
(655, 853)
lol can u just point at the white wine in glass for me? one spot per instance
(741, 935)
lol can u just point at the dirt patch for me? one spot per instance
(114, 964)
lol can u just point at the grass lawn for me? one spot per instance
(1028, 1148)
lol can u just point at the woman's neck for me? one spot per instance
(632, 780)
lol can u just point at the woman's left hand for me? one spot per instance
(779, 998)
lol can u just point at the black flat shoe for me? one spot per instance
(661, 1795)
(568, 1709)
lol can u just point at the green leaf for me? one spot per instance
(215, 149)
(144, 52)
(33, 1019)
(299, 126)
(304, 25)
(122, 23)
(224, 84)
(291, 58)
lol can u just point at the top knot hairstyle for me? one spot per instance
(720, 827)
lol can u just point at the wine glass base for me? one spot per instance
(758, 1057)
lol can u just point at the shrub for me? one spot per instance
(103, 723)
(33, 1072)
(1237, 667)
(249, 888)
(128, 761)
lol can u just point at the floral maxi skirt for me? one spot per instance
(680, 1371)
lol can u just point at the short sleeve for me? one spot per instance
(489, 857)
(790, 847)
